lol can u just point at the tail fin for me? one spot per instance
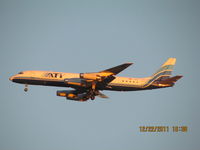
(166, 68)
(163, 73)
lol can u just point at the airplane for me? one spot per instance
(88, 85)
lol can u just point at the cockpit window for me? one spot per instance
(20, 73)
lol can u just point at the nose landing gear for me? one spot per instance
(26, 88)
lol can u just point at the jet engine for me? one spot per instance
(77, 82)
(71, 95)
(91, 76)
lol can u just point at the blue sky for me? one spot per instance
(88, 36)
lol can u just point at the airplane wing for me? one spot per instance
(111, 72)
(102, 95)
(104, 76)
(88, 84)
(117, 69)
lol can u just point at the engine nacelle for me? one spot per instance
(64, 93)
(91, 76)
(71, 95)
(77, 82)
(77, 97)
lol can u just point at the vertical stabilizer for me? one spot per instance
(163, 73)
(167, 68)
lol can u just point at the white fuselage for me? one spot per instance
(50, 78)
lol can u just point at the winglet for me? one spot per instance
(117, 69)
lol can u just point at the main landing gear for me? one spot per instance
(93, 91)
(92, 94)
(26, 88)
(92, 97)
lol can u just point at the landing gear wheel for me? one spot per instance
(92, 97)
(26, 88)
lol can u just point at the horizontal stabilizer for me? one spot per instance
(170, 80)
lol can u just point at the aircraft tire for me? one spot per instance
(92, 97)
(25, 89)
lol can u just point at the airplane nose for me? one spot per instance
(11, 78)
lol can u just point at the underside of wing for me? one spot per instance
(101, 95)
